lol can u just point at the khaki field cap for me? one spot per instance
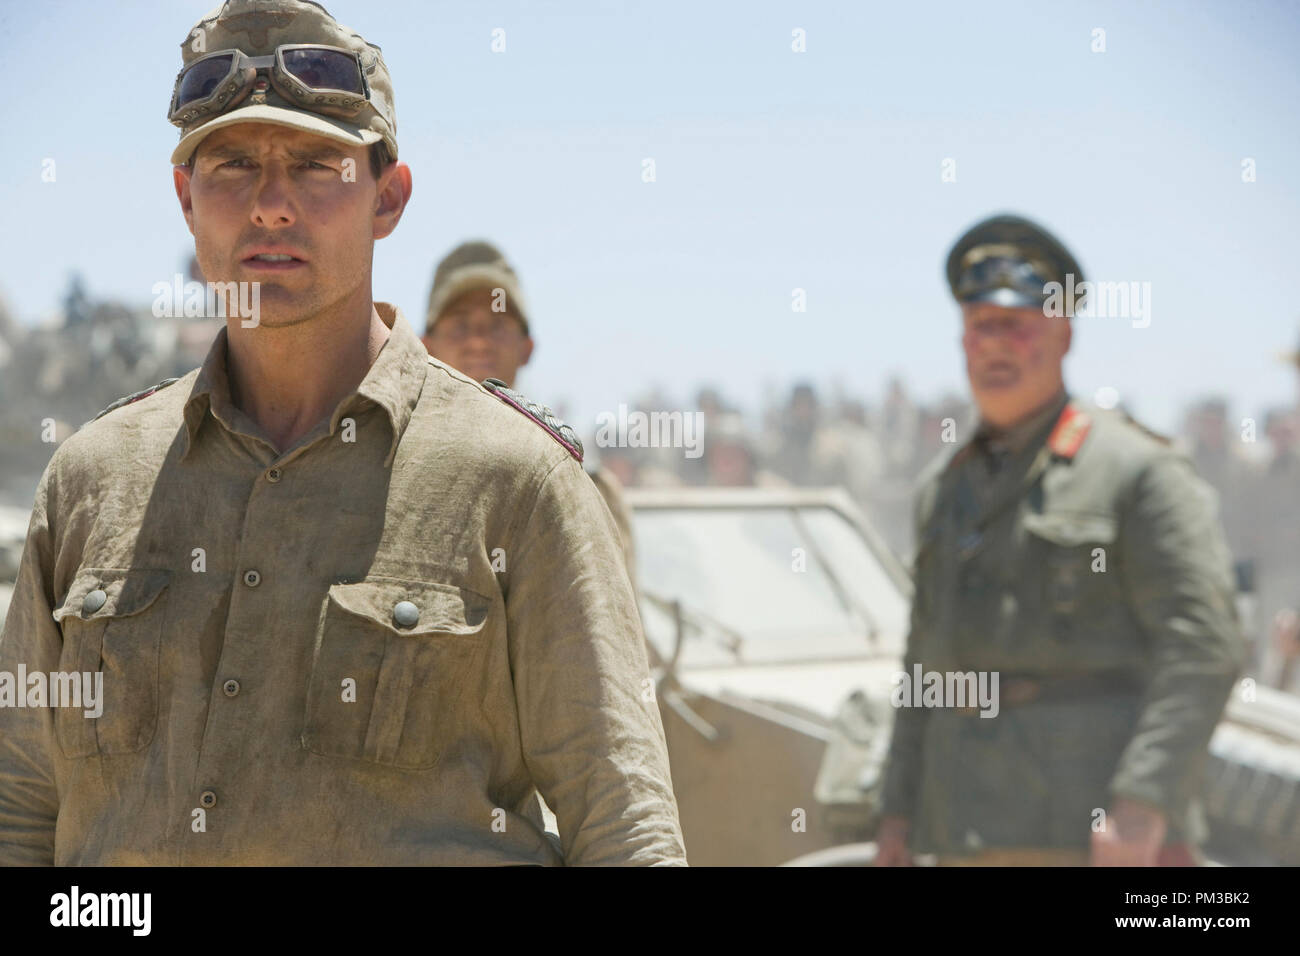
(257, 28)
(474, 265)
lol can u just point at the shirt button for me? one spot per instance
(93, 601)
(208, 799)
(405, 614)
(231, 688)
(252, 578)
(273, 474)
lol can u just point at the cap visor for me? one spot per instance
(1007, 298)
(473, 277)
(335, 129)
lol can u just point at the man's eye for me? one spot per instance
(312, 164)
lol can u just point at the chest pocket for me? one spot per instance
(1073, 555)
(393, 659)
(112, 623)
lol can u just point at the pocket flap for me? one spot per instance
(438, 608)
(126, 591)
(1069, 529)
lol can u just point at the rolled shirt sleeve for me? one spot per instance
(29, 805)
(1180, 583)
(589, 723)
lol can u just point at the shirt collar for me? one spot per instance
(393, 382)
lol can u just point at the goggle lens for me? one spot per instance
(202, 79)
(324, 70)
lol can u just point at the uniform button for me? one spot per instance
(208, 799)
(405, 614)
(93, 601)
(273, 474)
(252, 578)
(1009, 604)
(231, 687)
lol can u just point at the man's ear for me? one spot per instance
(394, 193)
(526, 352)
(181, 179)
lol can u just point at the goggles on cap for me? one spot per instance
(323, 79)
(1024, 277)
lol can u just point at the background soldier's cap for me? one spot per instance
(1007, 260)
(257, 27)
(474, 265)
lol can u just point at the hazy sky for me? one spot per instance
(775, 170)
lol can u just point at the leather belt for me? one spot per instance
(1015, 690)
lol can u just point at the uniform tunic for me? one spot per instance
(1081, 558)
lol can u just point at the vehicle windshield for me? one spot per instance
(764, 584)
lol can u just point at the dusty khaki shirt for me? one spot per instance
(377, 647)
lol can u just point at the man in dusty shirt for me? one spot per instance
(332, 600)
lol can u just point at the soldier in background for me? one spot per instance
(477, 322)
(1077, 557)
(794, 440)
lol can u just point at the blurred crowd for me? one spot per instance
(875, 452)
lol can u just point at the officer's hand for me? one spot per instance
(1133, 836)
(891, 842)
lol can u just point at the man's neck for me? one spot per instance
(1018, 432)
(288, 379)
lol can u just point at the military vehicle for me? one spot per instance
(776, 621)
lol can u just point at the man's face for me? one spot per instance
(1013, 358)
(471, 337)
(258, 192)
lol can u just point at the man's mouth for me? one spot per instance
(274, 260)
(998, 373)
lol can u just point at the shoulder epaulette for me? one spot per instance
(557, 429)
(134, 397)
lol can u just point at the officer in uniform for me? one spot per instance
(477, 321)
(1077, 557)
(348, 605)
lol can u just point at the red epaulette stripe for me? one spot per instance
(518, 407)
(1070, 431)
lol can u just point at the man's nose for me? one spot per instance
(271, 202)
